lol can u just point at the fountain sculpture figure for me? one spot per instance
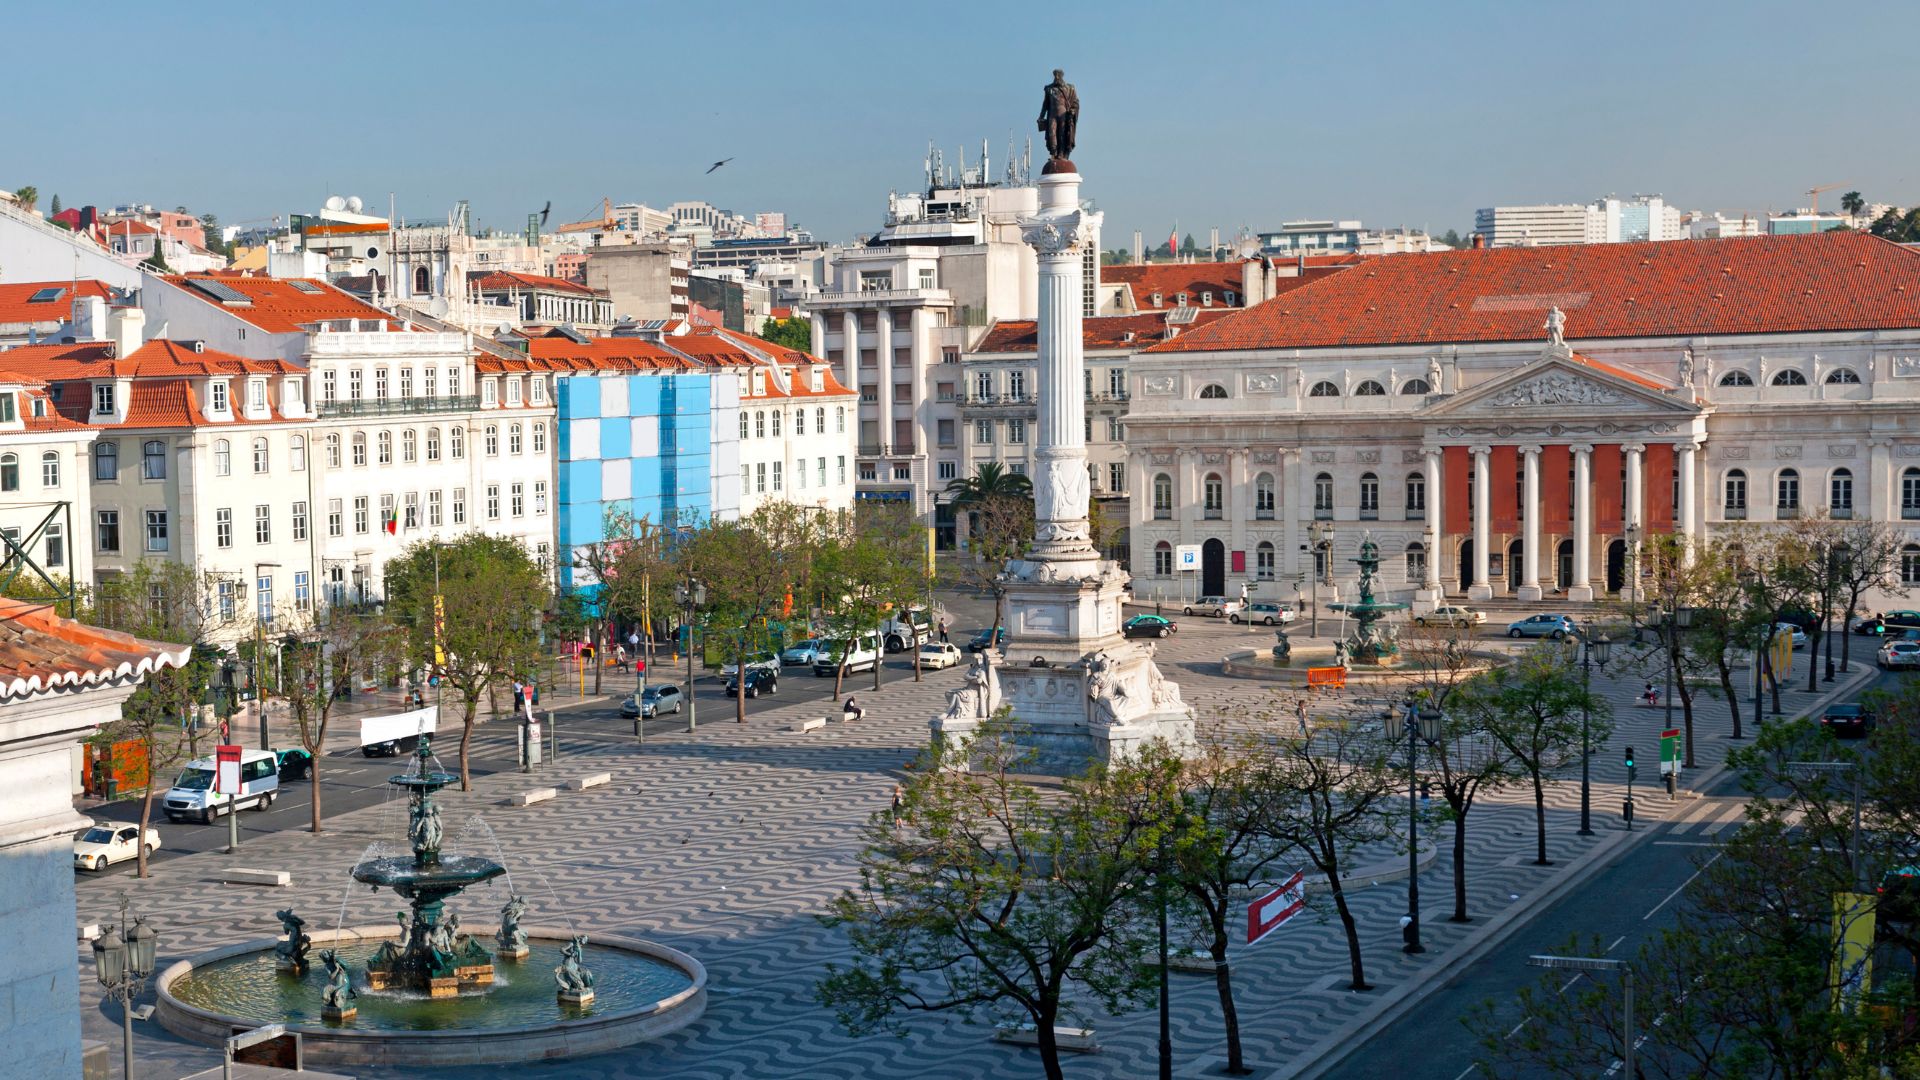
(1369, 643)
(511, 941)
(337, 997)
(575, 981)
(291, 954)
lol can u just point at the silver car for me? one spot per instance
(1546, 626)
(1899, 654)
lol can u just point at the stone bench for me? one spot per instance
(582, 783)
(531, 796)
(240, 875)
(1078, 1040)
(811, 724)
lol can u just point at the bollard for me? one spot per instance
(555, 729)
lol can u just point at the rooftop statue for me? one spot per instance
(1059, 115)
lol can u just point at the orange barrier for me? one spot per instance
(1330, 677)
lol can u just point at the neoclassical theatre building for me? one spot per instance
(1501, 422)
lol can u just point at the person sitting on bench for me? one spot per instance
(851, 711)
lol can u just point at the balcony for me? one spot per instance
(1787, 513)
(1841, 513)
(1001, 403)
(415, 406)
(1739, 513)
(866, 298)
(1109, 397)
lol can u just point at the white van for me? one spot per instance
(192, 796)
(864, 657)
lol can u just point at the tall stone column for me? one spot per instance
(1580, 587)
(1286, 489)
(1060, 490)
(850, 360)
(918, 354)
(818, 326)
(1436, 525)
(1687, 460)
(1636, 521)
(1883, 493)
(1481, 589)
(883, 369)
(1530, 541)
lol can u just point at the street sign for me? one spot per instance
(1187, 557)
(1268, 913)
(226, 775)
(1670, 754)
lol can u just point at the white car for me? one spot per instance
(1450, 615)
(940, 654)
(1212, 606)
(1792, 632)
(107, 843)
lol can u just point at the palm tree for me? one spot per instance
(27, 196)
(1852, 203)
(989, 480)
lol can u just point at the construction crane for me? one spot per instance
(1814, 194)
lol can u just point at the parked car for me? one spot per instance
(1265, 612)
(990, 637)
(1799, 636)
(1149, 626)
(1213, 606)
(761, 661)
(655, 701)
(759, 681)
(1899, 654)
(1849, 721)
(295, 763)
(803, 654)
(939, 654)
(1888, 622)
(192, 795)
(107, 843)
(1546, 626)
(1450, 615)
(862, 654)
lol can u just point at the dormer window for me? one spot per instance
(818, 381)
(1227, 297)
(1206, 299)
(39, 406)
(103, 399)
(1157, 299)
(513, 391)
(257, 395)
(219, 395)
(1182, 297)
(759, 382)
(7, 408)
(537, 390)
(489, 393)
(293, 393)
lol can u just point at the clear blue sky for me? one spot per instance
(1222, 114)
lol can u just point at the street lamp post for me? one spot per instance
(122, 963)
(1419, 724)
(1592, 651)
(1594, 963)
(692, 595)
(1320, 547)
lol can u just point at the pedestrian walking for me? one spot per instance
(1300, 714)
(943, 631)
(899, 799)
(619, 657)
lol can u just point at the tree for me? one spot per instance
(1720, 626)
(904, 576)
(1677, 577)
(990, 480)
(858, 575)
(1534, 707)
(1188, 247)
(1451, 239)
(1852, 203)
(54, 207)
(1773, 583)
(27, 196)
(321, 653)
(981, 892)
(997, 505)
(749, 566)
(794, 332)
(158, 260)
(494, 594)
(153, 718)
(1869, 561)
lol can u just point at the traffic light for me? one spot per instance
(1632, 769)
(1629, 757)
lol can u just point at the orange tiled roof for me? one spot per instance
(1172, 279)
(504, 280)
(800, 385)
(16, 305)
(561, 353)
(1100, 332)
(274, 305)
(156, 359)
(39, 651)
(1833, 282)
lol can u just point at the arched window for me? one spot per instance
(1213, 496)
(1735, 503)
(1843, 376)
(106, 461)
(759, 424)
(1416, 386)
(9, 472)
(1369, 388)
(1163, 558)
(1416, 563)
(409, 445)
(1212, 391)
(1910, 565)
(297, 453)
(820, 420)
(777, 414)
(1163, 496)
(259, 455)
(1263, 560)
(384, 444)
(333, 451)
(539, 438)
(359, 448)
(800, 421)
(515, 443)
(1840, 493)
(222, 457)
(433, 444)
(1787, 492)
(153, 460)
(1416, 495)
(1736, 378)
(1369, 496)
(50, 469)
(422, 281)
(839, 419)
(1323, 495)
(456, 442)
(1910, 494)
(1263, 496)
(1324, 388)
(1788, 377)
(743, 423)
(492, 440)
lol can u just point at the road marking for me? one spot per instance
(1687, 843)
(1616, 941)
(1469, 1069)
(1682, 888)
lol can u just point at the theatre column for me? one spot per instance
(1636, 522)
(1530, 543)
(1436, 510)
(1482, 519)
(1688, 464)
(1579, 588)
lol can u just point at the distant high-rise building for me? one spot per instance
(1611, 220)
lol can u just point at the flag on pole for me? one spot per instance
(1173, 243)
(392, 522)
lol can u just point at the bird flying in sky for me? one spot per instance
(717, 164)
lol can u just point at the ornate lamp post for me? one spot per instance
(122, 963)
(1320, 545)
(1426, 724)
(692, 595)
(1593, 650)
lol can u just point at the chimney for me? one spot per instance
(126, 329)
(1256, 280)
(1138, 250)
(90, 318)
(1479, 241)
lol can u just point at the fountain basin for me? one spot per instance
(643, 991)
(1260, 664)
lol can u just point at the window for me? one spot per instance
(1263, 561)
(820, 420)
(1016, 432)
(1788, 377)
(380, 384)
(493, 440)
(457, 442)
(219, 402)
(1324, 388)
(537, 390)
(453, 382)
(259, 455)
(1369, 496)
(515, 443)
(1736, 493)
(493, 502)
(156, 530)
(433, 509)
(539, 436)
(263, 525)
(540, 494)
(263, 598)
(840, 473)
(409, 446)
(983, 432)
(329, 388)
(406, 382)
(1263, 496)
(302, 590)
(153, 460)
(777, 414)
(1162, 497)
(1910, 494)
(1212, 392)
(1787, 488)
(1416, 563)
(359, 448)
(800, 421)
(1369, 388)
(513, 391)
(1116, 476)
(820, 477)
(459, 506)
(56, 537)
(353, 384)
(427, 376)
(1843, 377)
(760, 424)
(106, 461)
(517, 499)
(384, 440)
(223, 528)
(297, 453)
(490, 392)
(225, 592)
(840, 420)
(50, 469)
(433, 444)
(9, 472)
(333, 451)
(360, 526)
(420, 283)
(1736, 378)
(743, 424)
(1416, 386)
(1840, 492)
(1163, 558)
(300, 522)
(1910, 565)
(103, 398)
(106, 530)
(1416, 495)
(1212, 496)
(760, 478)
(222, 458)
(257, 395)
(1116, 430)
(1323, 496)
(410, 514)
(335, 525)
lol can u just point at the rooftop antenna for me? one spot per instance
(986, 168)
(926, 164)
(1012, 160)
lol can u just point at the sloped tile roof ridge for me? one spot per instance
(40, 651)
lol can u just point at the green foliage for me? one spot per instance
(750, 567)
(54, 207)
(794, 332)
(1452, 239)
(27, 195)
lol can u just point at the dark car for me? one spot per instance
(1149, 626)
(295, 763)
(1849, 721)
(992, 636)
(1888, 622)
(759, 681)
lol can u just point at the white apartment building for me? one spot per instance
(44, 498)
(1335, 237)
(1720, 226)
(796, 437)
(1610, 220)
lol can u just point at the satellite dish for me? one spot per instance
(354, 204)
(335, 202)
(438, 308)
